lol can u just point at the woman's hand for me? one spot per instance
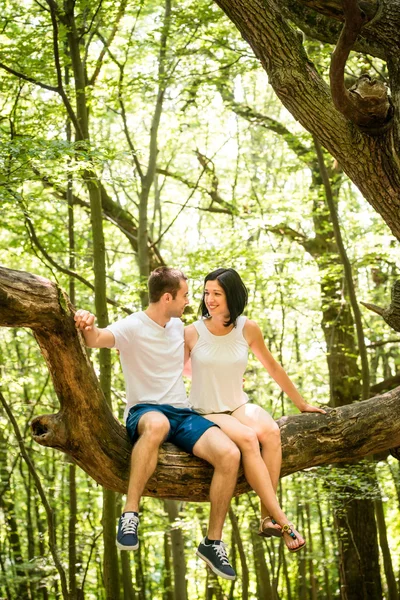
(310, 408)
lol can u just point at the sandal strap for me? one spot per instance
(288, 528)
(262, 521)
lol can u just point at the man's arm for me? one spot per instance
(94, 336)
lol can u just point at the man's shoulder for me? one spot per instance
(129, 322)
(176, 323)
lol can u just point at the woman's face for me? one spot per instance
(215, 299)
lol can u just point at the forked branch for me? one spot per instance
(366, 103)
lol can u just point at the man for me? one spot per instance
(151, 348)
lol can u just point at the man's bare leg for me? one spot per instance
(217, 449)
(153, 428)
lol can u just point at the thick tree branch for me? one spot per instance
(366, 103)
(85, 428)
(322, 21)
(391, 314)
(372, 163)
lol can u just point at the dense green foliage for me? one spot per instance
(236, 183)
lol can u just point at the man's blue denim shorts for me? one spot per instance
(186, 426)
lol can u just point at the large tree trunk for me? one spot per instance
(371, 161)
(86, 429)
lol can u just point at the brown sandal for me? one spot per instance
(269, 531)
(288, 528)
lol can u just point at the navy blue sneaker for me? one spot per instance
(127, 538)
(214, 554)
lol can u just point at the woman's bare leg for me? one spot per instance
(255, 470)
(268, 435)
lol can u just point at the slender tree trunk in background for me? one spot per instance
(42, 550)
(147, 178)
(311, 570)
(327, 584)
(72, 558)
(233, 561)
(359, 555)
(242, 554)
(387, 559)
(395, 473)
(178, 551)
(264, 587)
(7, 505)
(139, 575)
(111, 569)
(167, 582)
(127, 584)
(286, 578)
(3, 570)
(302, 571)
(29, 526)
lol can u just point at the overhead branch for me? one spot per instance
(292, 234)
(391, 314)
(386, 384)
(321, 20)
(112, 211)
(366, 103)
(35, 240)
(248, 113)
(224, 208)
(107, 43)
(68, 107)
(209, 168)
(24, 77)
(334, 8)
(86, 429)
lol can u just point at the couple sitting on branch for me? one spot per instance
(216, 423)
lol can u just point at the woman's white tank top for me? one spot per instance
(218, 365)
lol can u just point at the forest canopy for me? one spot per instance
(244, 133)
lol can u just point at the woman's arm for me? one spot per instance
(191, 337)
(254, 338)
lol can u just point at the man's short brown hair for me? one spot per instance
(164, 280)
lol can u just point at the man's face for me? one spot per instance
(178, 304)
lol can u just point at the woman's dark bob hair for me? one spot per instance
(235, 290)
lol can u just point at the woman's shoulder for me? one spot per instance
(191, 335)
(251, 329)
(251, 325)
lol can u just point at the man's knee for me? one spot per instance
(154, 426)
(228, 455)
(216, 448)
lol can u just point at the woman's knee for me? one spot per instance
(270, 434)
(248, 440)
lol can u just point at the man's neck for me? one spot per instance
(155, 314)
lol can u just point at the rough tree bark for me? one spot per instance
(86, 429)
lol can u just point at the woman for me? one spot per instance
(218, 347)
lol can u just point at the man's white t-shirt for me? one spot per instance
(152, 360)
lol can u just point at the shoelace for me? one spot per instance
(220, 550)
(129, 525)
